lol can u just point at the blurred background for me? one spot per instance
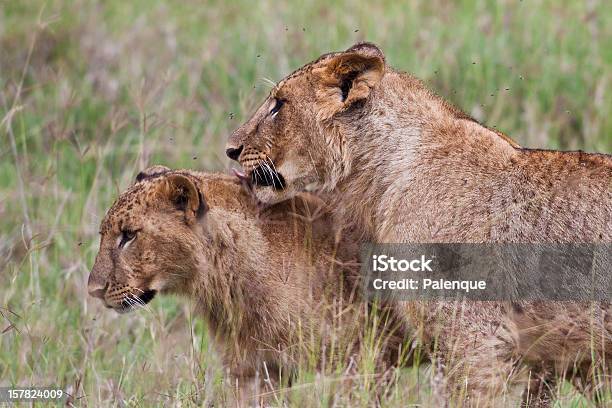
(93, 91)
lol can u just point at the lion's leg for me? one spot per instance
(251, 387)
(486, 382)
(252, 391)
(246, 392)
(592, 380)
(483, 371)
(540, 389)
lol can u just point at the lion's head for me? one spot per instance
(147, 240)
(292, 143)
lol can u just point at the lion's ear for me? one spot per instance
(153, 171)
(349, 77)
(184, 195)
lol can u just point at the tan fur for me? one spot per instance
(403, 165)
(277, 288)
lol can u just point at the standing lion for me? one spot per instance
(404, 166)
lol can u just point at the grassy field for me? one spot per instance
(93, 91)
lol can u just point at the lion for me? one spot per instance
(402, 165)
(277, 287)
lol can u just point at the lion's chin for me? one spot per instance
(132, 303)
(263, 191)
(270, 195)
(267, 176)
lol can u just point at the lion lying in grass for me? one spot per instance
(277, 288)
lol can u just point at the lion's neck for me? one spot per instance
(406, 162)
(237, 291)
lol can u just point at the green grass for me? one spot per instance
(91, 92)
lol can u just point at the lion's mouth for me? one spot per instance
(136, 301)
(263, 176)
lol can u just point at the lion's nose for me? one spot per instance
(233, 152)
(96, 289)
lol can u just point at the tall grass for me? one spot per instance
(93, 91)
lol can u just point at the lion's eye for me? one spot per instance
(126, 236)
(279, 103)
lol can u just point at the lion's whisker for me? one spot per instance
(261, 165)
(135, 302)
(275, 172)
